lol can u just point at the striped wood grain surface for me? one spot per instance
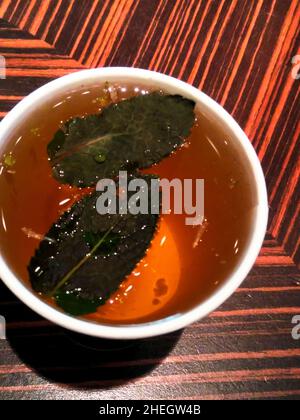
(240, 53)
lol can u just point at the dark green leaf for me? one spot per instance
(73, 304)
(123, 240)
(56, 143)
(135, 132)
(108, 245)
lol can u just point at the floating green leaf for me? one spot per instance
(136, 132)
(73, 304)
(88, 255)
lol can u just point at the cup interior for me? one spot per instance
(218, 116)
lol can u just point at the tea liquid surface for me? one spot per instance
(184, 264)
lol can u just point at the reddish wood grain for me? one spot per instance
(240, 54)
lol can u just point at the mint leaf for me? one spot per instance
(136, 132)
(106, 246)
(88, 255)
(73, 304)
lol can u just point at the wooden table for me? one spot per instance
(240, 53)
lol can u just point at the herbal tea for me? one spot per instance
(121, 268)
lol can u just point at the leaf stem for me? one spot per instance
(66, 153)
(81, 262)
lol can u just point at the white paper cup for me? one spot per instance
(116, 74)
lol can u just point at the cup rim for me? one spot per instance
(174, 322)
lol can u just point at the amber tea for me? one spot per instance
(134, 268)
